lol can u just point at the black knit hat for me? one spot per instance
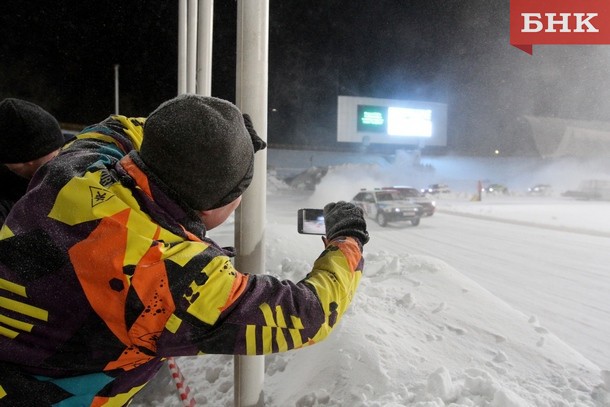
(27, 132)
(201, 148)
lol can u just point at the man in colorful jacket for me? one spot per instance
(105, 267)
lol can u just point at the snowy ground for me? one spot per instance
(459, 311)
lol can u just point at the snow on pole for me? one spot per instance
(184, 391)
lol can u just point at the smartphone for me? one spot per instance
(311, 221)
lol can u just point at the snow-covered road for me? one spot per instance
(562, 278)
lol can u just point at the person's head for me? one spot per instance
(203, 149)
(29, 136)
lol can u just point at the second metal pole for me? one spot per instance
(250, 218)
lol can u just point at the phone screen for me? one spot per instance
(311, 221)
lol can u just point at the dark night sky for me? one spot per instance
(61, 56)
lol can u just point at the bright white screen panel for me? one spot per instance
(389, 121)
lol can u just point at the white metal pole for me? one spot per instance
(251, 98)
(116, 88)
(205, 32)
(191, 56)
(182, 49)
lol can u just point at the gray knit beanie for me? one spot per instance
(27, 132)
(201, 148)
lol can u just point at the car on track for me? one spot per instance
(387, 206)
(435, 189)
(495, 189)
(540, 190)
(591, 189)
(414, 195)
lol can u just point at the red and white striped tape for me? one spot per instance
(184, 390)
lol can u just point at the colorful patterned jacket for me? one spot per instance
(103, 275)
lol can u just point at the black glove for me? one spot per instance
(257, 142)
(345, 219)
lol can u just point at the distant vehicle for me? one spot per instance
(413, 195)
(540, 190)
(387, 206)
(495, 189)
(434, 189)
(591, 189)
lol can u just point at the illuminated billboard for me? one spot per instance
(388, 121)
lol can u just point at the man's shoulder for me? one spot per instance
(127, 132)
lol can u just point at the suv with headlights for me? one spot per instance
(413, 195)
(387, 206)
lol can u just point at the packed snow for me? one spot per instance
(427, 327)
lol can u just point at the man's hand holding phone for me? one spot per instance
(335, 220)
(311, 221)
